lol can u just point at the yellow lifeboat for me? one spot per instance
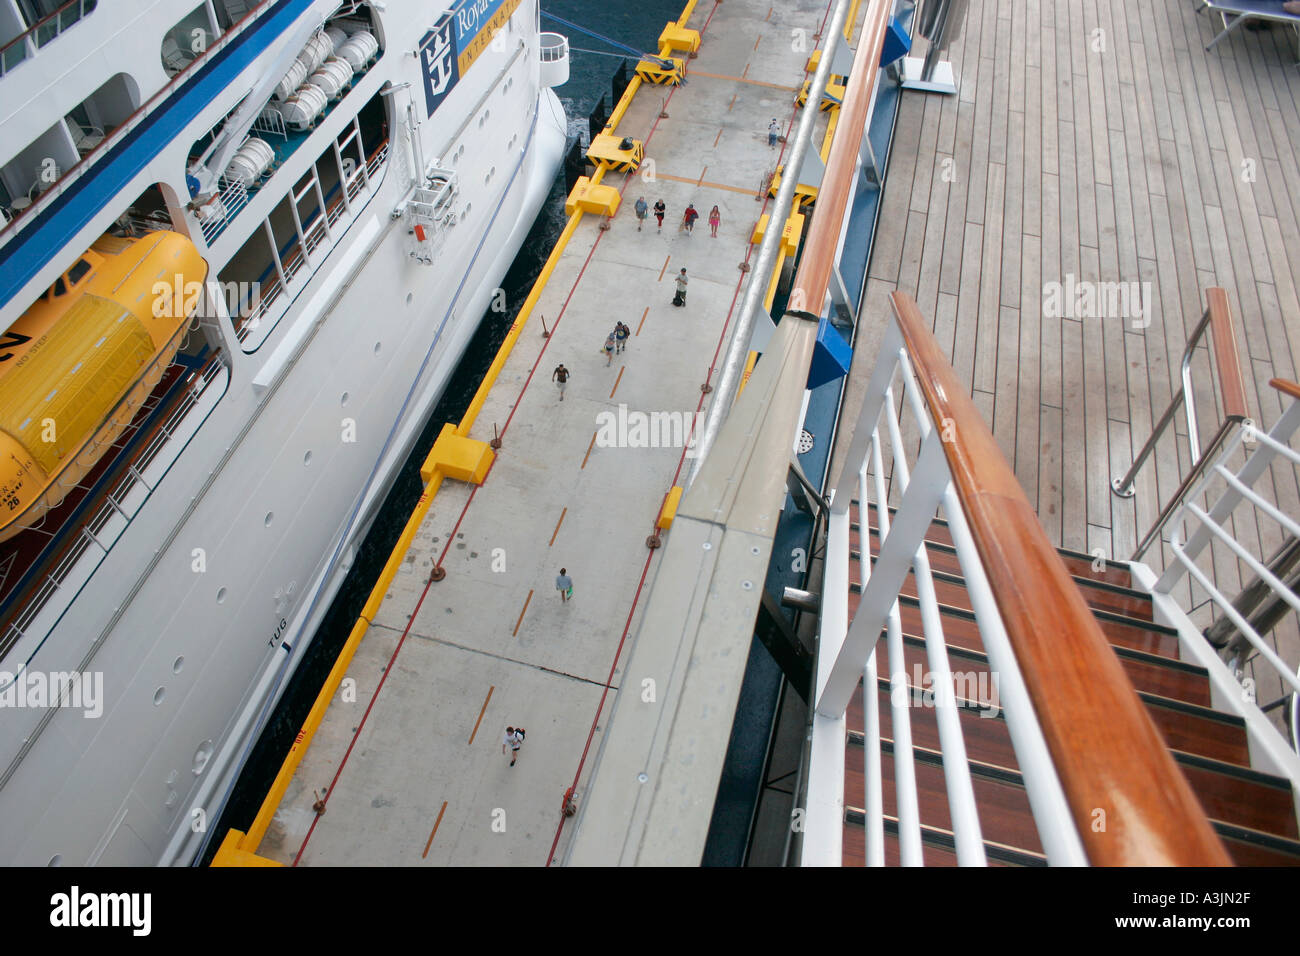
(76, 366)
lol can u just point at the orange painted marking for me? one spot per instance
(434, 832)
(746, 71)
(643, 315)
(758, 41)
(700, 181)
(481, 712)
(732, 103)
(590, 446)
(769, 15)
(616, 381)
(682, 179)
(715, 142)
(668, 260)
(744, 79)
(557, 527)
(525, 607)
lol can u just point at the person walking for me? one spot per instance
(660, 210)
(621, 335)
(642, 210)
(689, 217)
(609, 348)
(773, 133)
(564, 584)
(560, 377)
(680, 297)
(715, 220)
(511, 742)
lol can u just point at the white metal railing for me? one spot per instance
(100, 530)
(318, 235)
(120, 132)
(882, 466)
(26, 44)
(1223, 504)
(553, 47)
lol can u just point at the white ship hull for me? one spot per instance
(208, 598)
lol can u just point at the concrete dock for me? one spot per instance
(407, 763)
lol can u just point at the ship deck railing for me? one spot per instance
(1081, 736)
(43, 31)
(83, 538)
(118, 134)
(296, 260)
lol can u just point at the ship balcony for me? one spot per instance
(554, 57)
(27, 44)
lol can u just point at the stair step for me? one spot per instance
(987, 739)
(1199, 730)
(1153, 675)
(1120, 631)
(949, 579)
(1248, 848)
(1242, 796)
(1080, 565)
(937, 845)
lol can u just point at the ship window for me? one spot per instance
(78, 271)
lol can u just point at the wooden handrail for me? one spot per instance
(1226, 360)
(1131, 804)
(1285, 387)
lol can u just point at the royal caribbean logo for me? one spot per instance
(456, 41)
(438, 61)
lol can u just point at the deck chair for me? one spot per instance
(1235, 13)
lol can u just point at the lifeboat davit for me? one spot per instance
(76, 366)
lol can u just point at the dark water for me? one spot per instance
(636, 24)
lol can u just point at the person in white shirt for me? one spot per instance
(512, 741)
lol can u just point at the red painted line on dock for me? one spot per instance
(665, 268)
(434, 833)
(557, 527)
(617, 380)
(590, 446)
(642, 322)
(522, 612)
(715, 141)
(482, 710)
(676, 476)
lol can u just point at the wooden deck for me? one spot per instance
(1097, 141)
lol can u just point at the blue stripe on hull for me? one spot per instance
(22, 259)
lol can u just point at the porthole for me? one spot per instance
(56, 860)
(306, 458)
(177, 665)
(201, 756)
(410, 297)
(270, 516)
(158, 696)
(378, 347)
(343, 399)
(221, 596)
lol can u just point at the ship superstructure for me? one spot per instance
(356, 179)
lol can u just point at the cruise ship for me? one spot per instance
(243, 247)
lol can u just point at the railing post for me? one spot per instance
(1250, 472)
(868, 417)
(897, 551)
